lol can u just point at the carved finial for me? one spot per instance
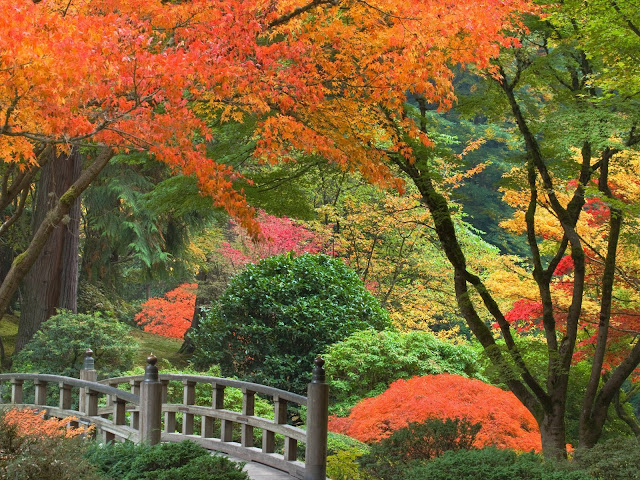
(318, 370)
(151, 371)
(89, 363)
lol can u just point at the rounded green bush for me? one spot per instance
(60, 344)
(367, 362)
(167, 461)
(278, 314)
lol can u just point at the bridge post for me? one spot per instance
(151, 404)
(88, 373)
(317, 424)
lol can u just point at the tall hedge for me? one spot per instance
(278, 314)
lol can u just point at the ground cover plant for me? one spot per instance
(491, 464)
(389, 458)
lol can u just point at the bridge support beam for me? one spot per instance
(317, 421)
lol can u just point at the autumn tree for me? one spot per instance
(130, 95)
(390, 241)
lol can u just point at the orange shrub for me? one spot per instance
(33, 423)
(506, 423)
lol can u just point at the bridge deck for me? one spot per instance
(258, 471)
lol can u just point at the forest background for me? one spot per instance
(475, 163)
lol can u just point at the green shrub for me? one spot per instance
(389, 458)
(30, 457)
(614, 459)
(278, 314)
(168, 461)
(59, 346)
(490, 464)
(367, 362)
(337, 442)
(344, 465)
(93, 298)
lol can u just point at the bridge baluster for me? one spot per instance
(226, 426)
(16, 391)
(279, 417)
(248, 408)
(110, 398)
(217, 400)
(170, 422)
(290, 449)
(188, 398)
(169, 417)
(92, 402)
(41, 392)
(119, 411)
(135, 416)
(165, 391)
(65, 396)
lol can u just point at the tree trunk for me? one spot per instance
(188, 346)
(553, 433)
(52, 282)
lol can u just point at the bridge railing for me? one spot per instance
(137, 408)
(110, 422)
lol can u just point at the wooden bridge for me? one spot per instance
(136, 408)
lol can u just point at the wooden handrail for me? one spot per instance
(74, 382)
(226, 382)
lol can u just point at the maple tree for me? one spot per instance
(562, 77)
(504, 421)
(171, 314)
(102, 76)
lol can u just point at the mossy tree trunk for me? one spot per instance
(52, 282)
(61, 208)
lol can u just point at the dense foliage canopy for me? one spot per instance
(277, 315)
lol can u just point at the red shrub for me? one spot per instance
(171, 314)
(506, 423)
